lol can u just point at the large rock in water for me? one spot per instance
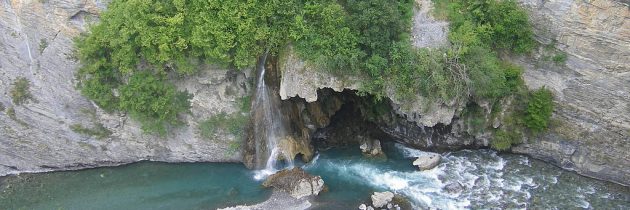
(427, 161)
(380, 199)
(296, 182)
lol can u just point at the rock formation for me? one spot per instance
(428, 161)
(296, 182)
(36, 43)
(381, 199)
(591, 90)
(592, 94)
(591, 129)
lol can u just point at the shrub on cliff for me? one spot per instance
(500, 24)
(539, 109)
(20, 92)
(153, 102)
(128, 56)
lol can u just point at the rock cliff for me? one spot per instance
(590, 132)
(36, 43)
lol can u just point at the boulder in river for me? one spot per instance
(296, 182)
(371, 147)
(380, 199)
(362, 207)
(454, 188)
(427, 161)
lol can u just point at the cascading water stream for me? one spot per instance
(269, 127)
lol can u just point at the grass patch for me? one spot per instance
(503, 140)
(11, 113)
(99, 131)
(245, 104)
(474, 117)
(559, 58)
(232, 123)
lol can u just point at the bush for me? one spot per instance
(539, 109)
(155, 38)
(559, 58)
(503, 140)
(20, 92)
(500, 24)
(153, 102)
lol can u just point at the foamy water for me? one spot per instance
(489, 180)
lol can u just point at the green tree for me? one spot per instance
(153, 102)
(539, 109)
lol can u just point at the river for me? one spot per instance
(488, 179)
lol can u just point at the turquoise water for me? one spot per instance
(146, 185)
(489, 181)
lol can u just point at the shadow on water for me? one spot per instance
(146, 185)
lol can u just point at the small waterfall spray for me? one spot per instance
(269, 127)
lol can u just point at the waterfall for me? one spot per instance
(269, 127)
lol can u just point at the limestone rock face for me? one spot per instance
(592, 89)
(428, 32)
(36, 43)
(296, 182)
(380, 199)
(427, 161)
(590, 129)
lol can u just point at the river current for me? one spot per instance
(489, 181)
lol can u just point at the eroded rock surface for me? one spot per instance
(592, 89)
(590, 129)
(427, 161)
(381, 199)
(296, 182)
(36, 43)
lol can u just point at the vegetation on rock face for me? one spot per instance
(539, 110)
(153, 102)
(232, 123)
(99, 131)
(130, 55)
(20, 92)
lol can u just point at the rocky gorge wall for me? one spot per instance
(590, 132)
(36, 43)
(590, 129)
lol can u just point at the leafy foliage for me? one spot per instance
(128, 57)
(153, 102)
(20, 92)
(539, 110)
(499, 24)
(503, 140)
